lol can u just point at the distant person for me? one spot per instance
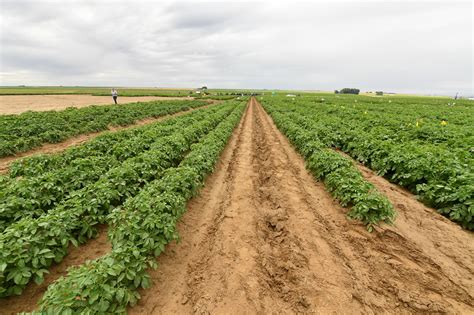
(114, 95)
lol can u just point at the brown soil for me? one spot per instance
(264, 237)
(16, 104)
(28, 300)
(446, 242)
(58, 147)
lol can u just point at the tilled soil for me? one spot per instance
(263, 237)
(16, 104)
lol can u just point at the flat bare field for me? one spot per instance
(16, 104)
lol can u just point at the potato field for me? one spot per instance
(268, 204)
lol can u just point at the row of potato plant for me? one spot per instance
(19, 133)
(34, 195)
(340, 176)
(105, 144)
(139, 231)
(29, 246)
(432, 160)
(422, 120)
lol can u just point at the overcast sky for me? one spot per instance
(400, 46)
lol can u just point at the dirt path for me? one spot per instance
(446, 242)
(28, 300)
(264, 237)
(58, 147)
(16, 104)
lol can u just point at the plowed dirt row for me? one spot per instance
(264, 237)
(61, 146)
(439, 237)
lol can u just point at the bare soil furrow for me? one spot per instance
(264, 237)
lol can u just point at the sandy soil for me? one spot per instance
(264, 238)
(58, 147)
(15, 104)
(27, 302)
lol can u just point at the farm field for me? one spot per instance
(426, 146)
(48, 148)
(263, 236)
(94, 91)
(17, 104)
(120, 172)
(311, 204)
(20, 133)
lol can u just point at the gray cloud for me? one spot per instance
(421, 47)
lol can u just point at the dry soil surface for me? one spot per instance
(263, 237)
(16, 104)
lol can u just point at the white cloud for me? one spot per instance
(423, 47)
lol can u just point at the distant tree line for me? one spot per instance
(347, 91)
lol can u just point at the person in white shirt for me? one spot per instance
(114, 95)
